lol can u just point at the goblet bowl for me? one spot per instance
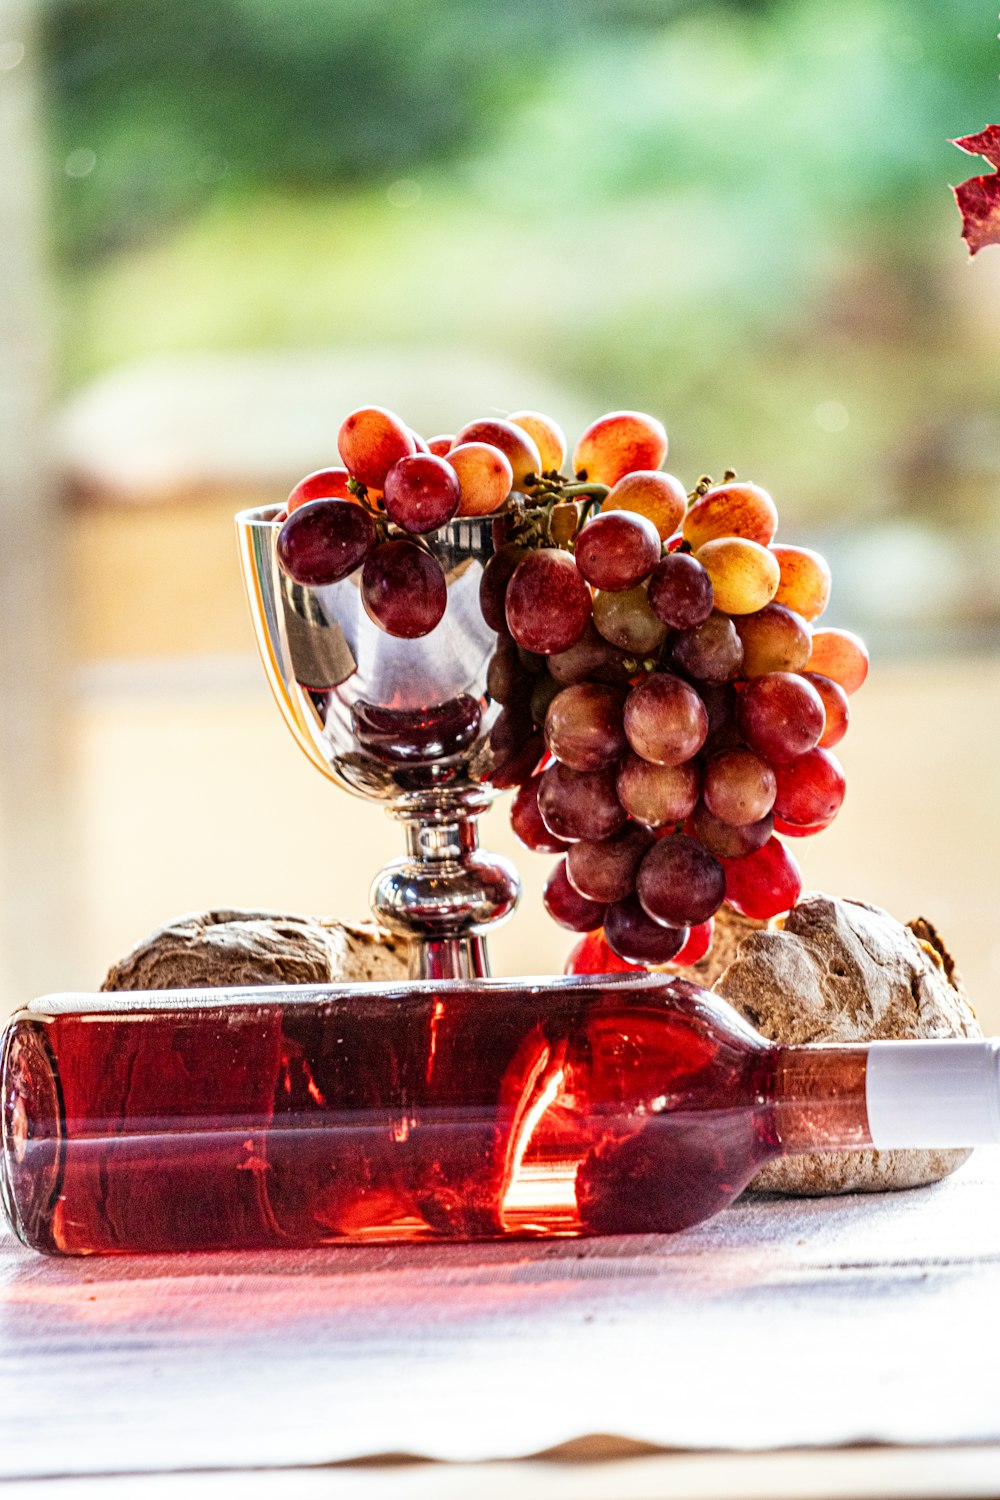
(404, 722)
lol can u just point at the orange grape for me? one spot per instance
(323, 484)
(517, 445)
(618, 444)
(731, 510)
(840, 655)
(805, 580)
(744, 574)
(549, 437)
(370, 441)
(485, 477)
(659, 497)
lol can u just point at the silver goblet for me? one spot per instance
(402, 722)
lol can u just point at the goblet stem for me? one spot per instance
(446, 892)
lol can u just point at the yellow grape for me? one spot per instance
(840, 655)
(619, 443)
(731, 510)
(485, 477)
(805, 580)
(548, 435)
(659, 497)
(744, 574)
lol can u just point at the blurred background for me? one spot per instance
(224, 223)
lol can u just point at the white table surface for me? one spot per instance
(781, 1325)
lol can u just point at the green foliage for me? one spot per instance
(179, 98)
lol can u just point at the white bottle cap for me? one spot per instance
(926, 1094)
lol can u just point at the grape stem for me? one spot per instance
(590, 490)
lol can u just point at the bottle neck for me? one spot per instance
(819, 1098)
(911, 1094)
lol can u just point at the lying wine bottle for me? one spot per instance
(295, 1117)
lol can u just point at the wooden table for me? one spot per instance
(834, 1347)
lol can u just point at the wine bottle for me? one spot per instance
(298, 1117)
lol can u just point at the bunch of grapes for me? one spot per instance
(667, 706)
(392, 490)
(673, 707)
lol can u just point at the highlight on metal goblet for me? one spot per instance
(403, 722)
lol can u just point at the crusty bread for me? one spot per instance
(211, 949)
(843, 971)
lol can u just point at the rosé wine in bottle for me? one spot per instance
(296, 1117)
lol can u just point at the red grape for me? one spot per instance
(775, 639)
(548, 602)
(620, 443)
(712, 652)
(371, 440)
(579, 804)
(635, 937)
(780, 715)
(493, 584)
(810, 789)
(526, 820)
(421, 493)
(506, 679)
(323, 484)
(679, 882)
(567, 907)
(605, 869)
(836, 706)
(680, 592)
(657, 795)
(583, 726)
(698, 943)
(517, 445)
(516, 747)
(617, 550)
(800, 830)
(591, 955)
(665, 720)
(325, 540)
(543, 690)
(764, 884)
(729, 840)
(841, 655)
(403, 588)
(738, 786)
(591, 658)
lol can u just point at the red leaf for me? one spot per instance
(979, 199)
(986, 143)
(979, 204)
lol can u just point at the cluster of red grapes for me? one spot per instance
(668, 707)
(337, 520)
